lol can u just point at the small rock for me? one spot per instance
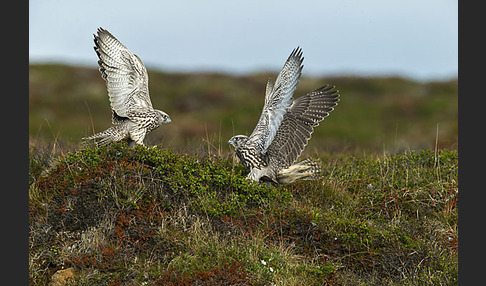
(62, 277)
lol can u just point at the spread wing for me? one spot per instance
(298, 124)
(125, 75)
(278, 98)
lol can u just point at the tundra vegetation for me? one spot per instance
(180, 212)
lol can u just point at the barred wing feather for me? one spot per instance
(125, 75)
(298, 124)
(278, 98)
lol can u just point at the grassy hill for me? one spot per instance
(129, 216)
(180, 212)
(393, 114)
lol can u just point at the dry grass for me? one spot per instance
(150, 216)
(381, 214)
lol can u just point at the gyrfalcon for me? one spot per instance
(284, 128)
(133, 116)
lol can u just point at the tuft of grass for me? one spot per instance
(153, 216)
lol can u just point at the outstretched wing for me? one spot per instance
(298, 124)
(278, 98)
(125, 75)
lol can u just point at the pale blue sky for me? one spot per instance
(412, 38)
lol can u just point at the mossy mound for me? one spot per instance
(148, 215)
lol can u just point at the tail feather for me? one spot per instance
(309, 169)
(103, 138)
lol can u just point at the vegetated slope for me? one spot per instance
(129, 216)
(67, 103)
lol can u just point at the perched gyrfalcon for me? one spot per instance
(133, 116)
(284, 128)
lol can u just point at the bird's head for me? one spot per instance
(237, 140)
(163, 117)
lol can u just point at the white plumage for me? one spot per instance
(126, 79)
(284, 128)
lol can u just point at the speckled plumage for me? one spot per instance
(284, 128)
(133, 116)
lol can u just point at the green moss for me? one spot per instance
(126, 176)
